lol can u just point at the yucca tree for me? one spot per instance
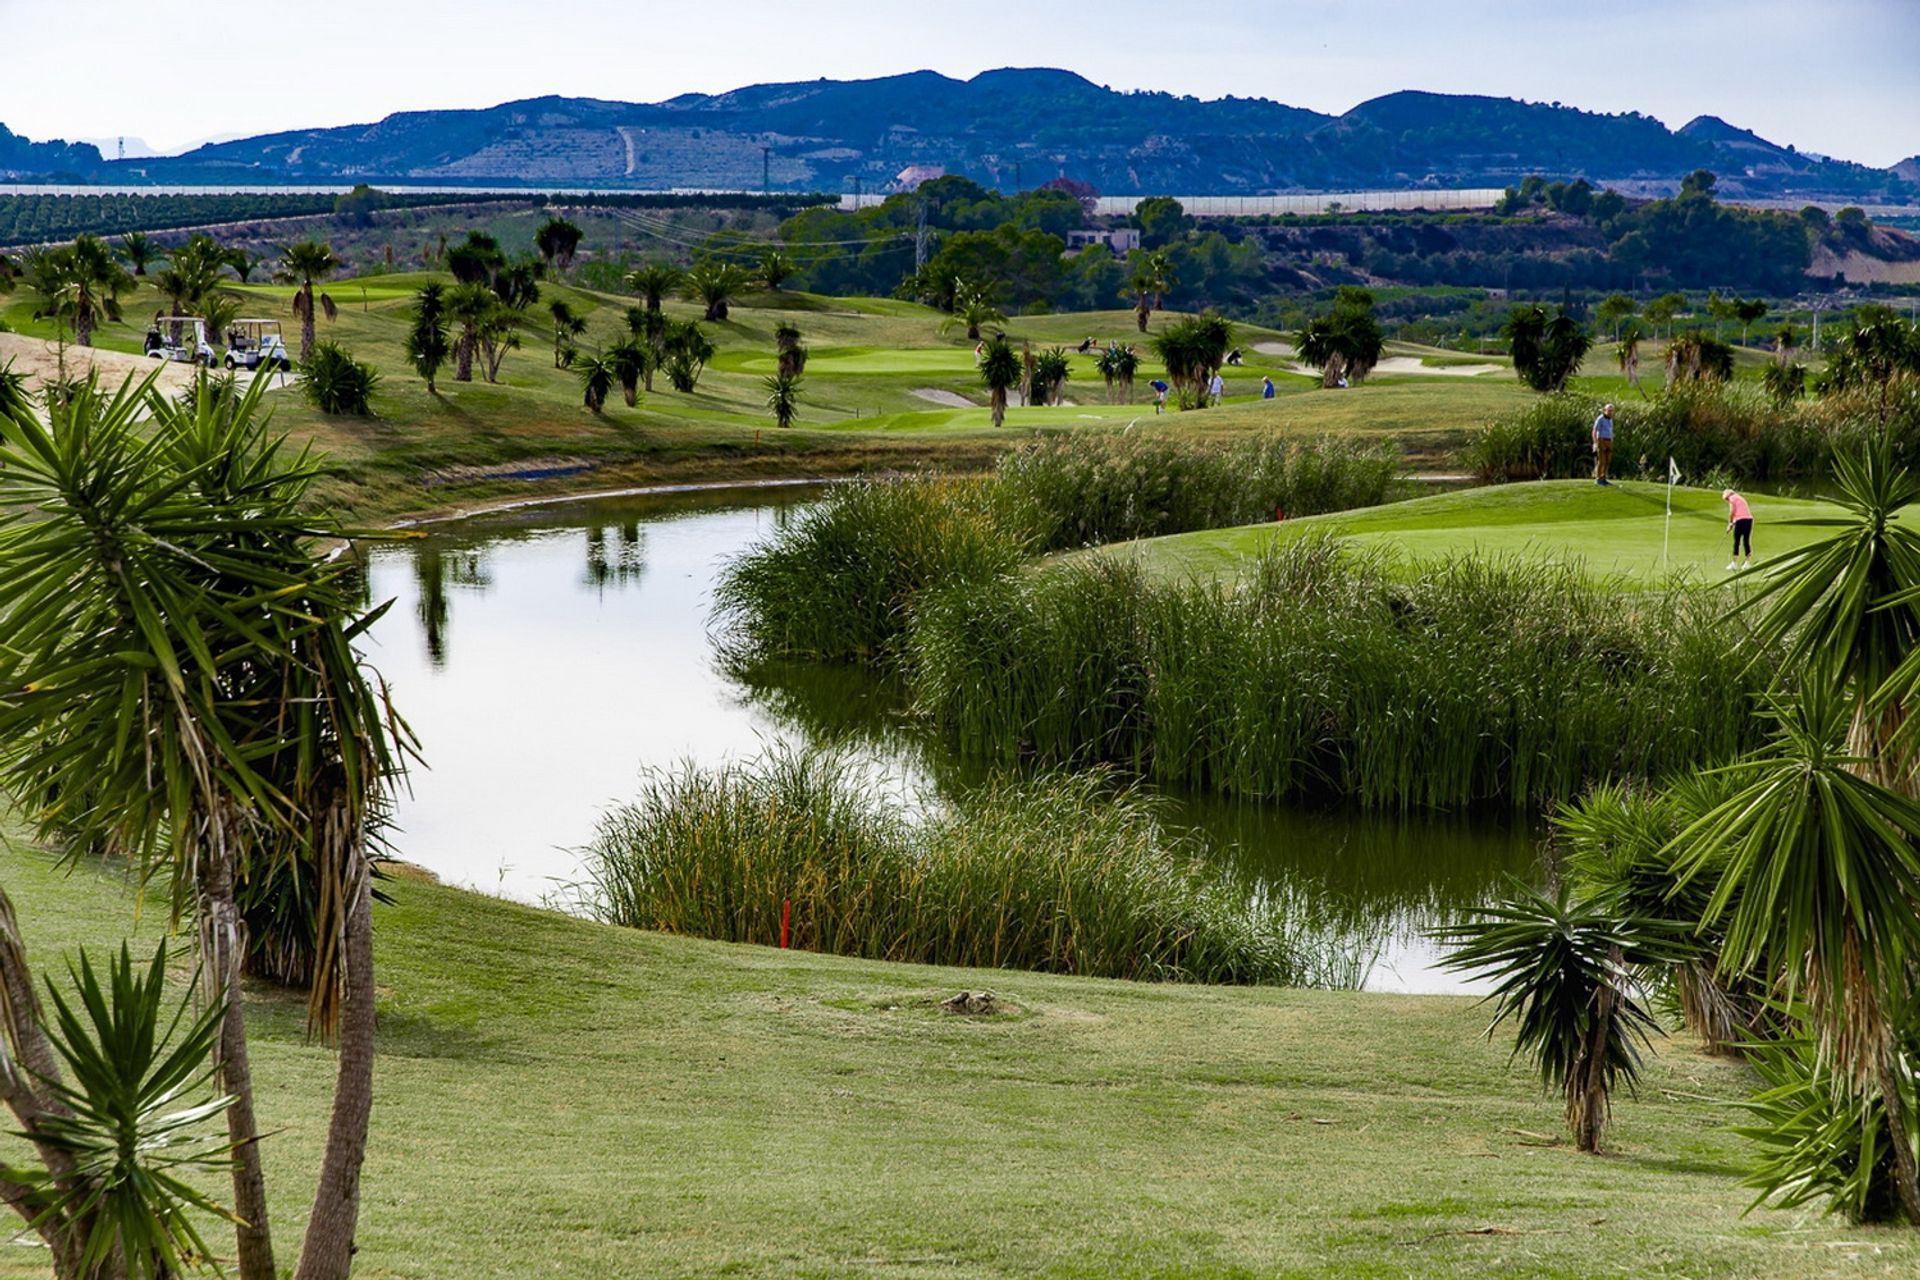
(1193, 348)
(649, 329)
(1001, 371)
(783, 398)
(558, 240)
(973, 308)
(1695, 357)
(1547, 347)
(1813, 859)
(1633, 332)
(1563, 976)
(101, 1102)
(1149, 283)
(140, 250)
(597, 377)
(304, 264)
(776, 267)
(1117, 366)
(632, 360)
(472, 307)
(567, 325)
(427, 344)
(790, 352)
(79, 284)
(654, 281)
(188, 695)
(714, 285)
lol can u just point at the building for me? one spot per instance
(1122, 242)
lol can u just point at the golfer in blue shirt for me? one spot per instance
(1602, 445)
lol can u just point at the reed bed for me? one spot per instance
(1713, 432)
(1324, 676)
(838, 583)
(1061, 874)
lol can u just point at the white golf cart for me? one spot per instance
(181, 340)
(256, 344)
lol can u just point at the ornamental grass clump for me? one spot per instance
(1060, 874)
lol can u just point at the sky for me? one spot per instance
(1841, 77)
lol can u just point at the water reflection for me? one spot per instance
(584, 656)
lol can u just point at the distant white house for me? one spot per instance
(910, 178)
(1122, 242)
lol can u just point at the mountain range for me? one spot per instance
(1001, 128)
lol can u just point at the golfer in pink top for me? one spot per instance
(1740, 520)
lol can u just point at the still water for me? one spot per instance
(546, 656)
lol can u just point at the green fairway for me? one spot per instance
(1620, 531)
(878, 395)
(567, 1099)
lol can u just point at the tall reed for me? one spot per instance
(837, 583)
(1063, 874)
(1324, 676)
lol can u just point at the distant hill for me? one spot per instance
(69, 161)
(1025, 126)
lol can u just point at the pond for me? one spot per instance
(546, 655)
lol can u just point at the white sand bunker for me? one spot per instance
(951, 399)
(39, 359)
(1281, 349)
(1412, 364)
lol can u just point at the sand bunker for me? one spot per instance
(1412, 364)
(951, 399)
(39, 360)
(1281, 349)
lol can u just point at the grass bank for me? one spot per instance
(557, 1097)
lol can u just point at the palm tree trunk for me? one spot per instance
(221, 950)
(1906, 1176)
(999, 402)
(306, 321)
(83, 322)
(1140, 313)
(327, 1252)
(463, 364)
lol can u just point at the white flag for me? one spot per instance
(1673, 470)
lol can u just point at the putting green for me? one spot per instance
(1620, 531)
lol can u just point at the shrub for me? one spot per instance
(1058, 874)
(335, 383)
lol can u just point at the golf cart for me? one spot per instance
(255, 344)
(180, 339)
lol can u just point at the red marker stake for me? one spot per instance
(786, 920)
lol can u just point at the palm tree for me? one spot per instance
(190, 588)
(783, 398)
(303, 264)
(427, 344)
(1000, 369)
(1149, 284)
(472, 306)
(140, 250)
(649, 328)
(655, 281)
(1547, 348)
(79, 284)
(1632, 333)
(1694, 357)
(1117, 366)
(714, 284)
(557, 240)
(1193, 349)
(566, 327)
(597, 376)
(687, 350)
(1562, 977)
(791, 354)
(632, 361)
(217, 309)
(776, 268)
(972, 308)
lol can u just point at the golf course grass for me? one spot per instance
(864, 404)
(1620, 532)
(568, 1099)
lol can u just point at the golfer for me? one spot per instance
(1603, 445)
(1740, 520)
(1217, 389)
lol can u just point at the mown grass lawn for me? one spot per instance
(1617, 532)
(557, 1098)
(862, 404)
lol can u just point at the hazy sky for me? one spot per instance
(1835, 76)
